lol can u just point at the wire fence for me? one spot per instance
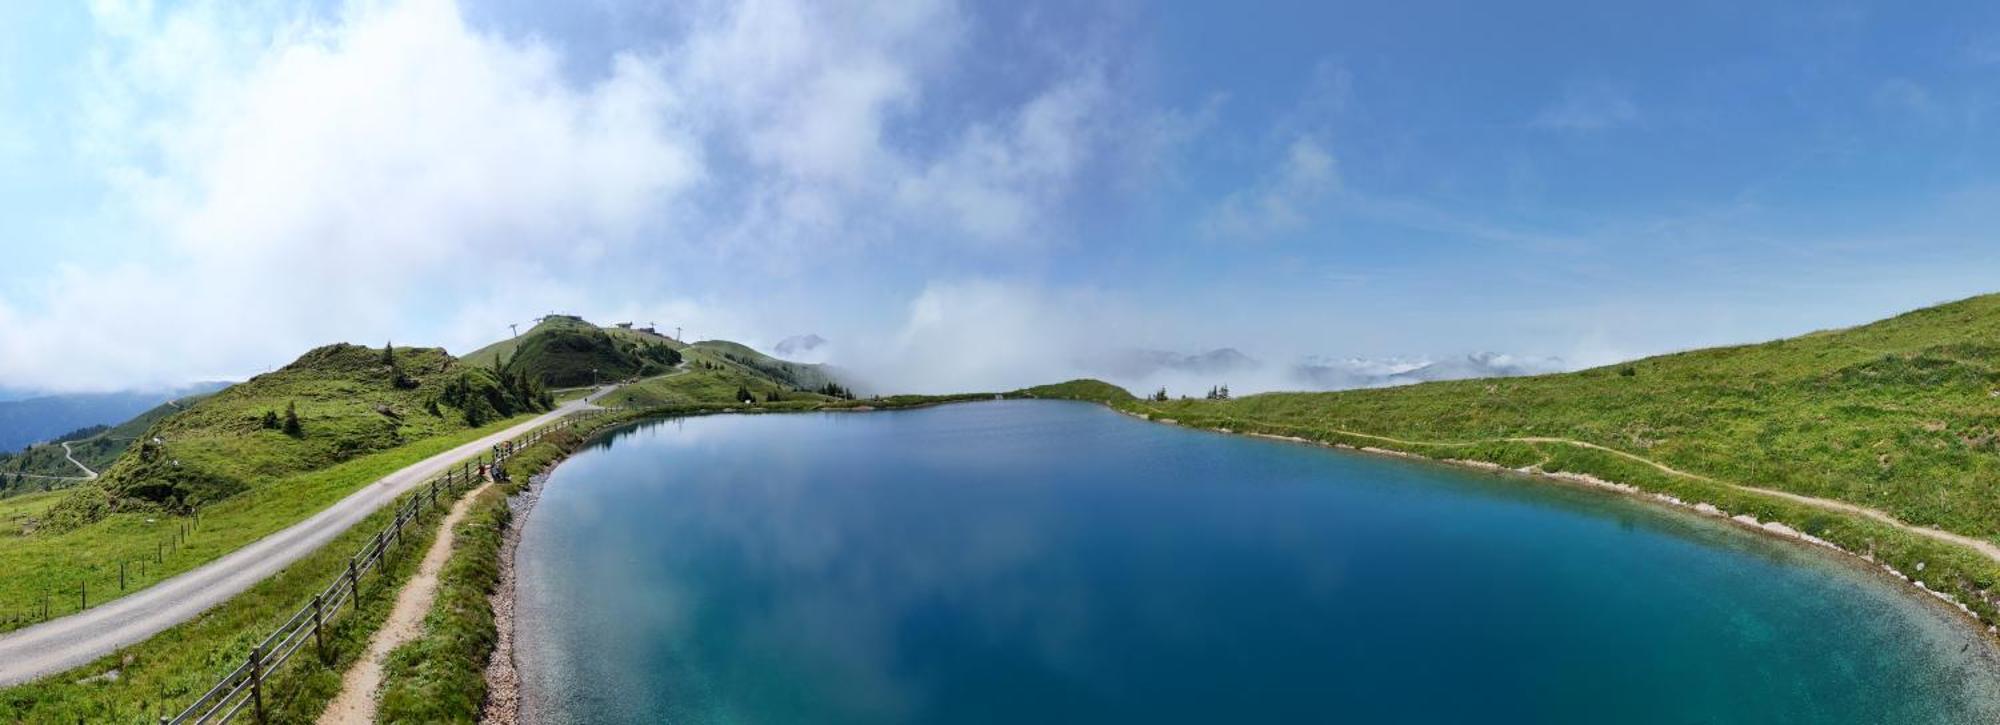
(243, 688)
(111, 579)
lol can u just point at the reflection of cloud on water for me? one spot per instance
(856, 564)
(834, 569)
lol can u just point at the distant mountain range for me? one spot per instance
(1145, 369)
(1324, 374)
(31, 419)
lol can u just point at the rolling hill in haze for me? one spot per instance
(43, 418)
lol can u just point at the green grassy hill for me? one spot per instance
(349, 401)
(99, 451)
(499, 351)
(1901, 415)
(714, 372)
(96, 447)
(233, 457)
(1080, 389)
(567, 352)
(45, 418)
(804, 376)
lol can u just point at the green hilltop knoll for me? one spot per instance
(564, 351)
(333, 404)
(1901, 416)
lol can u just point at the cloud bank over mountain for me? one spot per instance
(994, 336)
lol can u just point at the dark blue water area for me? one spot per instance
(1038, 561)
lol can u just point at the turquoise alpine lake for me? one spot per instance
(1042, 561)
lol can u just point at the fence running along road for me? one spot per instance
(243, 688)
(71, 641)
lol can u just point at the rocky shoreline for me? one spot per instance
(503, 681)
(1769, 528)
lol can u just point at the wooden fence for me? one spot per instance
(243, 688)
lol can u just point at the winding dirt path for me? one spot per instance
(88, 475)
(1984, 547)
(357, 700)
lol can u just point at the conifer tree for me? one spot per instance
(292, 426)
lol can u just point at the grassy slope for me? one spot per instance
(1898, 415)
(700, 386)
(347, 401)
(246, 480)
(162, 674)
(563, 352)
(349, 440)
(713, 371)
(499, 351)
(53, 564)
(97, 451)
(1081, 389)
(100, 451)
(797, 375)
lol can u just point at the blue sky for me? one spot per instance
(952, 191)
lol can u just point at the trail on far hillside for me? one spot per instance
(1985, 548)
(71, 455)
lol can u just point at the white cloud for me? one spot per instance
(297, 178)
(1282, 201)
(999, 181)
(1588, 107)
(981, 334)
(323, 177)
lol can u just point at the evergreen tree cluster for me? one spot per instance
(834, 390)
(483, 395)
(1220, 392)
(289, 423)
(661, 354)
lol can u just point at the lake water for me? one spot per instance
(1039, 561)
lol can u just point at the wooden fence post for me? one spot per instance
(84, 587)
(353, 584)
(319, 641)
(121, 576)
(257, 680)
